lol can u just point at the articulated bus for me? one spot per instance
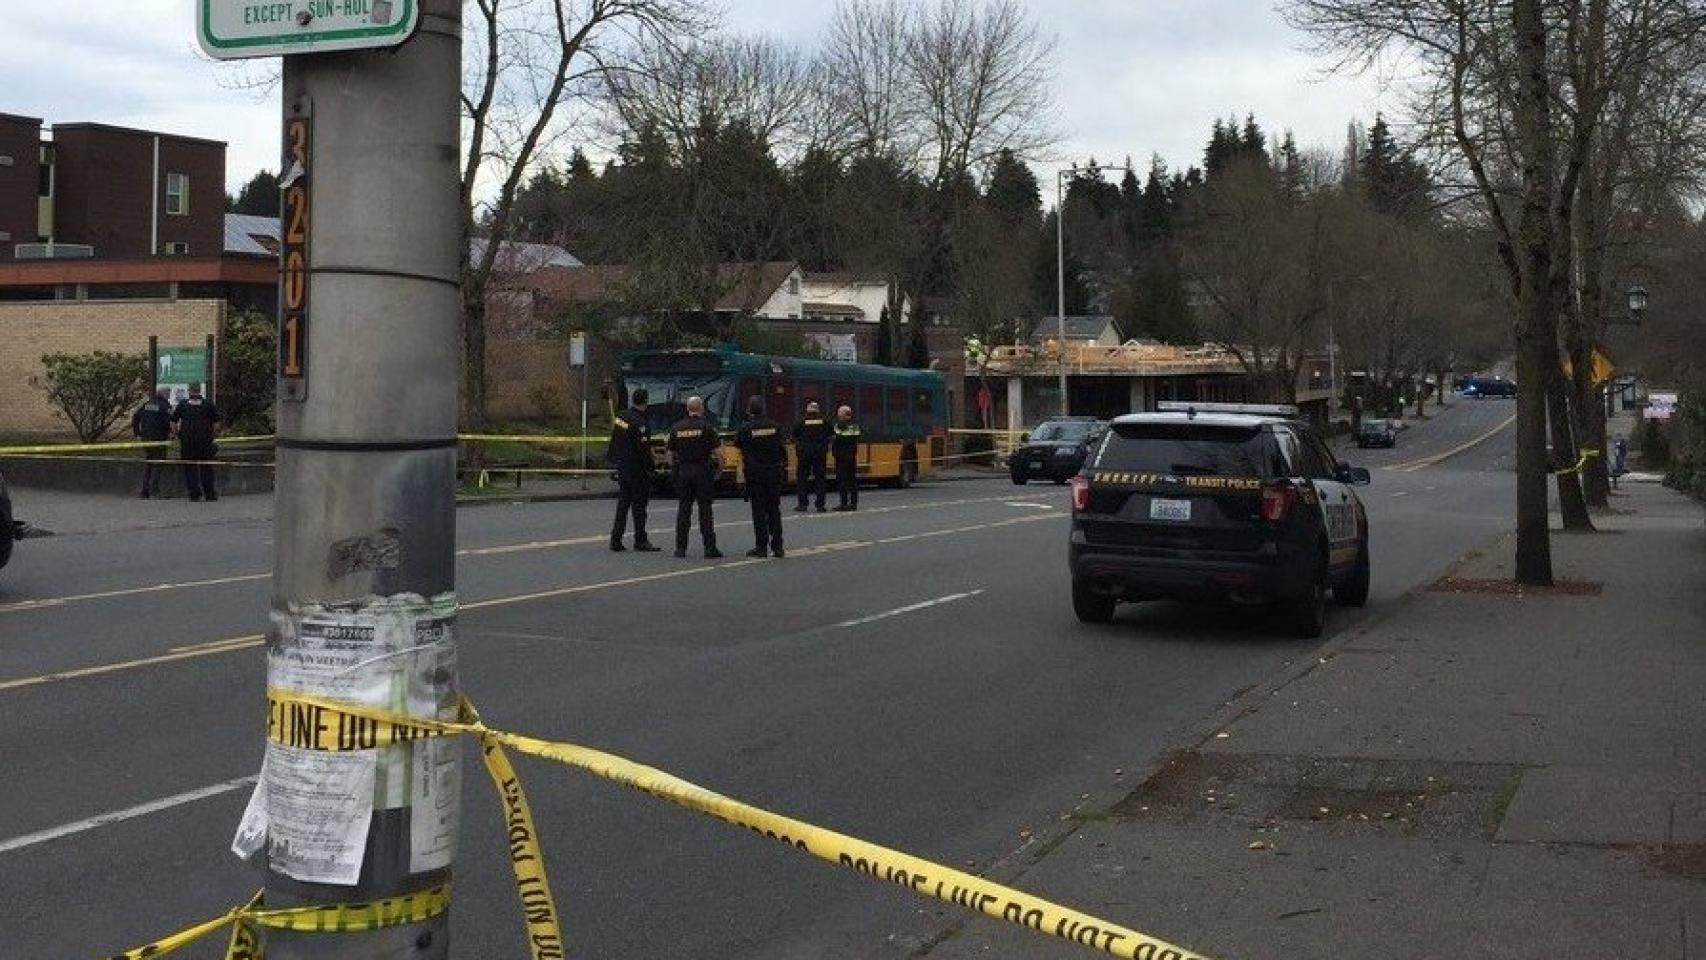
(902, 414)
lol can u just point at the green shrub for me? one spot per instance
(93, 390)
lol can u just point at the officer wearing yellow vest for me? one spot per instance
(811, 451)
(694, 443)
(846, 448)
(765, 461)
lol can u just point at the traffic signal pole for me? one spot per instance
(363, 607)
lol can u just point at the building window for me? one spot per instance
(177, 194)
(175, 248)
(44, 181)
(794, 285)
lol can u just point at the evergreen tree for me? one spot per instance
(883, 353)
(578, 167)
(258, 197)
(1290, 165)
(1395, 183)
(1155, 219)
(1131, 205)
(1013, 192)
(918, 344)
(1253, 143)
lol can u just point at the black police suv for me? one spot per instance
(1218, 502)
(1055, 450)
(8, 529)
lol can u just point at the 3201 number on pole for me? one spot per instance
(296, 208)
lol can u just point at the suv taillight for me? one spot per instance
(1080, 494)
(1277, 502)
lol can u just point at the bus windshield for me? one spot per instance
(667, 398)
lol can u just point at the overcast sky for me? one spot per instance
(1134, 77)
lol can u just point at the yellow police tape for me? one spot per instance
(307, 722)
(528, 438)
(62, 448)
(245, 944)
(1582, 462)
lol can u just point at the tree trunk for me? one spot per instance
(1571, 504)
(1589, 408)
(474, 419)
(1536, 331)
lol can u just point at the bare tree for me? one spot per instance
(1262, 258)
(528, 64)
(1517, 91)
(942, 89)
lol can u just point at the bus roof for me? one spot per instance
(759, 365)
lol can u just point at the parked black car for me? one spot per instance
(1481, 388)
(1218, 502)
(1377, 432)
(1055, 450)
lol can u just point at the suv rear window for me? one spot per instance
(1062, 430)
(1191, 449)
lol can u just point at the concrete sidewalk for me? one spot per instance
(1479, 773)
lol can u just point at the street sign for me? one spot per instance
(577, 350)
(234, 29)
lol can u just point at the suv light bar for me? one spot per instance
(1252, 409)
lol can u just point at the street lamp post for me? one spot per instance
(1060, 178)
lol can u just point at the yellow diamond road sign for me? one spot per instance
(233, 29)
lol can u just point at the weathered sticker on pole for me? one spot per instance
(295, 209)
(234, 29)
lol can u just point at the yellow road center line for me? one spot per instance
(232, 644)
(79, 672)
(23, 606)
(1411, 466)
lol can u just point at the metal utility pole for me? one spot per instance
(1060, 267)
(1060, 178)
(363, 569)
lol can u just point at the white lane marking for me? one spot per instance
(128, 813)
(1402, 493)
(1031, 504)
(909, 608)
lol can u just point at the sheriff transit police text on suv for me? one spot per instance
(1212, 501)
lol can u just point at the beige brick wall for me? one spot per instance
(29, 330)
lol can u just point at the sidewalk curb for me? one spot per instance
(464, 501)
(1010, 867)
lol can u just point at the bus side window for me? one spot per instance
(816, 390)
(749, 387)
(841, 395)
(780, 403)
(923, 409)
(897, 415)
(871, 409)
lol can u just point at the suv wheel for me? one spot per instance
(1307, 612)
(1354, 591)
(1019, 476)
(1090, 606)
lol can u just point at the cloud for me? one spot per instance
(1134, 77)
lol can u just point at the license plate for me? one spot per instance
(1169, 509)
(1039, 463)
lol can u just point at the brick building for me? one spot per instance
(96, 190)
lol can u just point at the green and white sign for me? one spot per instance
(178, 367)
(233, 29)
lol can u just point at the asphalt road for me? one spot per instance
(827, 686)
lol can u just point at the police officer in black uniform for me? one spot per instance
(153, 421)
(631, 455)
(694, 443)
(811, 448)
(846, 446)
(765, 461)
(197, 420)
